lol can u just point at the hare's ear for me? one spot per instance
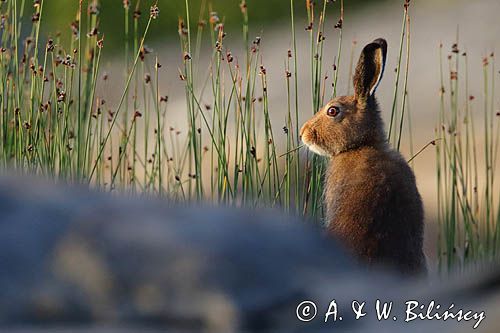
(370, 69)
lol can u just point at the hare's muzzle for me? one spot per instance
(302, 130)
(306, 133)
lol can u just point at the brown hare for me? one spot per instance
(372, 202)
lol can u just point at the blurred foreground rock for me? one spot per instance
(76, 260)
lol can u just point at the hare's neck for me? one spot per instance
(376, 141)
(344, 167)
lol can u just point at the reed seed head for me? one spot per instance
(154, 12)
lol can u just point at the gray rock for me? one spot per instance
(78, 260)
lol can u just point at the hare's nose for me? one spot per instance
(302, 130)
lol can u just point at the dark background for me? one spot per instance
(58, 15)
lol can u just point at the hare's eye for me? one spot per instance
(333, 111)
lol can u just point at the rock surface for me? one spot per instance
(78, 260)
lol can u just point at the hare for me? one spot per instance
(372, 202)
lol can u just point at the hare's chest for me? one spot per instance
(345, 198)
(338, 191)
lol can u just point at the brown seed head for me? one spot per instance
(154, 12)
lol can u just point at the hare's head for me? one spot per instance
(350, 122)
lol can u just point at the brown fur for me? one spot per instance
(372, 202)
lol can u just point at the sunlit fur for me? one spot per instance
(361, 125)
(372, 202)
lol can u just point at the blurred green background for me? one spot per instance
(59, 14)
